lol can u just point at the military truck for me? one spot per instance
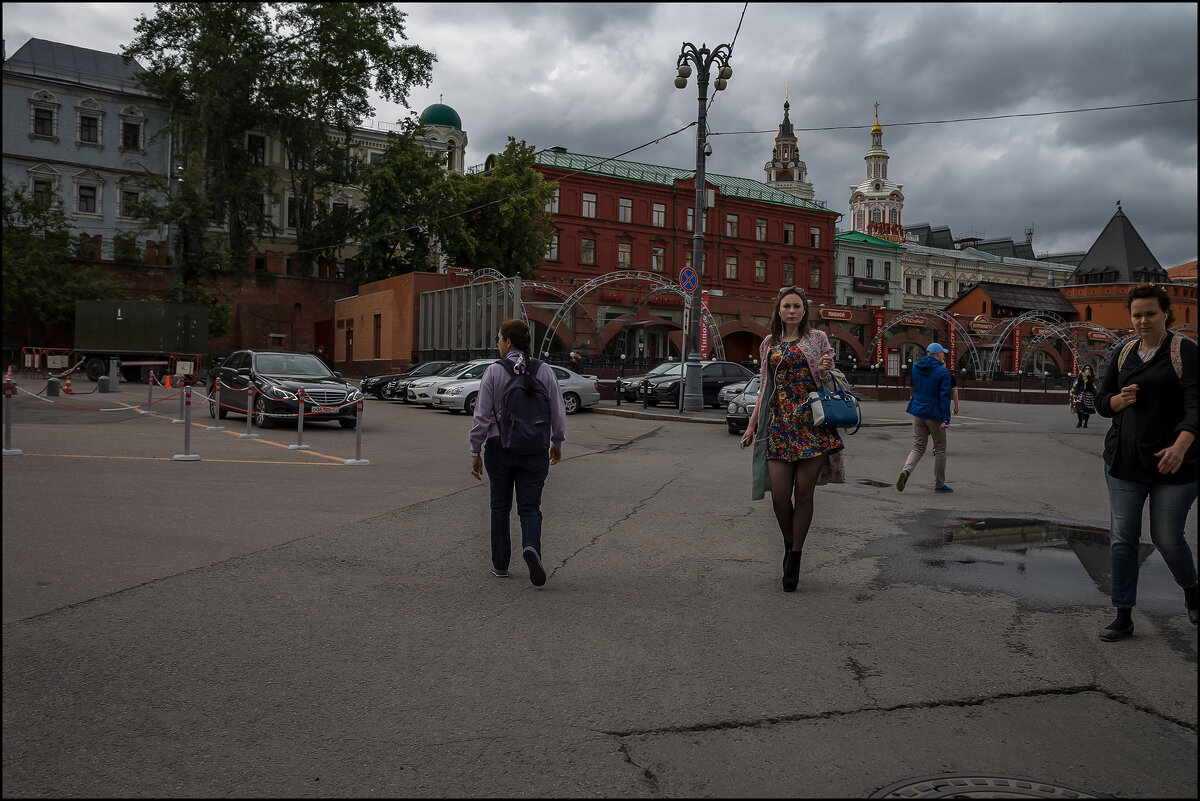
(143, 336)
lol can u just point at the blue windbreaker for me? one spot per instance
(931, 390)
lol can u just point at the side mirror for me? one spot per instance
(337, 375)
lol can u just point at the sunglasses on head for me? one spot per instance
(789, 290)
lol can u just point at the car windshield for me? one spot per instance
(452, 369)
(665, 368)
(752, 387)
(299, 365)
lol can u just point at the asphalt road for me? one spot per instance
(272, 622)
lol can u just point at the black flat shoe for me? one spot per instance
(1112, 635)
(791, 571)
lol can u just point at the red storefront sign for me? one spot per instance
(878, 329)
(703, 325)
(835, 314)
(1016, 347)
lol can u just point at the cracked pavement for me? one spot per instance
(259, 623)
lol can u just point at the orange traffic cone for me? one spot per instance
(67, 389)
(9, 375)
(168, 384)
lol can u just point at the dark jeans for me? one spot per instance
(1169, 504)
(527, 474)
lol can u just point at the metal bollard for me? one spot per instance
(52, 385)
(299, 446)
(249, 413)
(149, 394)
(216, 402)
(9, 450)
(181, 394)
(358, 434)
(619, 392)
(187, 455)
(102, 385)
(645, 392)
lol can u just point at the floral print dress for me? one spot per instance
(792, 435)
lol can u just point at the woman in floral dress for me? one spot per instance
(795, 456)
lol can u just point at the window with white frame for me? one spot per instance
(659, 219)
(133, 129)
(43, 115)
(814, 237)
(789, 274)
(587, 251)
(731, 225)
(877, 215)
(291, 211)
(919, 286)
(789, 234)
(42, 191)
(760, 230)
(908, 286)
(89, 123)
(814, 278)
(760, 271)
(658, 259)
(624, 255)
(129, 203)
(870, 268)
(87, 199)
(589, 205)
(887, 271)
(691, 219)
(625, 210)
(894, 217)
(552, 206)
(850, 265)
(552, 249)
(256, 148)
(731, 267)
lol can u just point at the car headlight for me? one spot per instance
(353, 394)
(279, 392)
(733, 408)
(454, 391)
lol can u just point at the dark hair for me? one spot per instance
(776, 325)
(1152, 291)
(516, 332)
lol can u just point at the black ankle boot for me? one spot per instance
(791, 571)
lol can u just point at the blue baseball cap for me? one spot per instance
(934, 348)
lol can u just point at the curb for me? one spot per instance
(679, 418)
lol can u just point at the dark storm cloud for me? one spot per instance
(598, 79)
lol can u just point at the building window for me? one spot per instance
(660, 215)
(760, 271)
(760, 230)
(814, 278)
(89, 129)
(587, 251)
(919, 286)
(731, 267)
(131, 136)
(256, 147)
(88, 200)
(129, 202)
(43, 122)
(552, 249)
(378, 335)
(887, 271)
(41, 192)
(814, 237)
(291, 212)
(894, 217)
(789, 234)
(789, 275)
(908, 286)
(731, 221)
(850, 265)
(876, 215)
(691, 218)
(658, 260)
(552, 206)
(624, 255)
(870, 268)
(858, 221)
(625, 210)
(589, 205)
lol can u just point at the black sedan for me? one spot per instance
(665, 388)
(279, 378)
(374, 385)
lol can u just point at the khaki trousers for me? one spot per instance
(923, 430)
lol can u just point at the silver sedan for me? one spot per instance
(578, 391)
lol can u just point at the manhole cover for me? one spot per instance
(968, 785)
(869, 482)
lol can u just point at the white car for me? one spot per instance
(423, 390)
(578, 391)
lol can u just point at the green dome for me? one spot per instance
(440, 114)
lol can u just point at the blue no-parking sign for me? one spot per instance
(688, 279)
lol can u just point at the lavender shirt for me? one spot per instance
(487, 405)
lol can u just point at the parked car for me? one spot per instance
(629, 384)
(730, 391)
(423, 390)
(578, 391)
(373, 385)
(714, 375)
(278, 378)
(737, 413)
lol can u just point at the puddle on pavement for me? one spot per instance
(1044, 564)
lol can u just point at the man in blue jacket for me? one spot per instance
(930, 408)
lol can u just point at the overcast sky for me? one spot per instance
(598, 79)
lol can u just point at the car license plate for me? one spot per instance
(315, 409)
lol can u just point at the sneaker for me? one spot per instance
(944, 488)
(1112, 635)
(537, 573)
(499, 573)
(900, 482)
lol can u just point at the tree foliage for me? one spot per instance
(42, 280)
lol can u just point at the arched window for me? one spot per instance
(1087, 314)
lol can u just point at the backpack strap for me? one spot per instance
(1177, 355)
(1125, 352)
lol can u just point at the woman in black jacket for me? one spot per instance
(1149, 391)
(1083, 396)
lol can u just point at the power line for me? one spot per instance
(969, 119)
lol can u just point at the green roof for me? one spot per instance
(867, 239)
(668, 176)
(440, 114)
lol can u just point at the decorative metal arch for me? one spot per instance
(1000, 333)
(661, 285)
(941, 315)
(1065, 332)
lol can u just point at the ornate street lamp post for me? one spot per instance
(704, 59)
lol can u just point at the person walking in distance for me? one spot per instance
(791, 455)
(930, 408)
(1083, 396)
(517, 434)
(1150, 452)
